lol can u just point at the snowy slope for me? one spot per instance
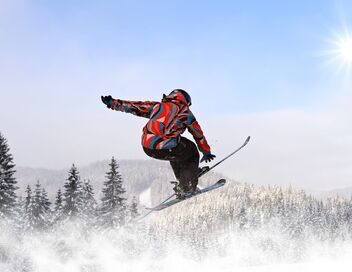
(239, 227)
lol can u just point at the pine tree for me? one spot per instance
(113, 210)
(58, 209)
(7, 180)
(45, 201)
(39, 210)
(58, 201)
(28, 215)
(28, 200)
(73, 193)
(88, 197)
(134, 208)
(89, 202)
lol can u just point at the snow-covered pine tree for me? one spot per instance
(113, 209)
(7, 180)
(40, 212)
(73, 201)
(28, 200)
(89, 203)
(45, 201)
(28, 217)
(134, 208)
(58, 208)
(58, 201)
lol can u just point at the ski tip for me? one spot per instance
(248, 138)
(222, 181)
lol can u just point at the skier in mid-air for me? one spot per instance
(162, 138)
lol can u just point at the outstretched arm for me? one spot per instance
(139, 108)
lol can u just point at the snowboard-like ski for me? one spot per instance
(169, 203)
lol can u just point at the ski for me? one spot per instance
(170, 203)
(206, 169)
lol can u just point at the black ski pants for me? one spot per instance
(184, 160)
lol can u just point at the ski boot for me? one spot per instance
(180, 193)
(194, 189)
(189, 193)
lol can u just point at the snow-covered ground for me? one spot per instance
(240, 227)
(72, 248)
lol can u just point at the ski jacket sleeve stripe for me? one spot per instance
(197, 133)
(139, 108)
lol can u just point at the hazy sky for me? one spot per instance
(268, 69)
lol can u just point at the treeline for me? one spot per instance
(243, 208)
(74, 201)
(238, 208)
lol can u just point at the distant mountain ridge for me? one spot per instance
(139, 176)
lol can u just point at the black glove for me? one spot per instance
(108, 101)
(207, 157)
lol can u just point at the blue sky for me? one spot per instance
(257, 55)
(236, 58)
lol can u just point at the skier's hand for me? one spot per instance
(108, 101)
(207, 157)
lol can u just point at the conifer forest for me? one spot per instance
(76, 231)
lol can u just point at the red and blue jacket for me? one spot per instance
(167, 121)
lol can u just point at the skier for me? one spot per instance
(162, 138)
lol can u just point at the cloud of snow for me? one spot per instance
(72, 248)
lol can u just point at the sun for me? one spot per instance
(339, 53)
(344, 49)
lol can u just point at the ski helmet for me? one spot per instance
(180, 95)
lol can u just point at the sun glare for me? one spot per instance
(340, 52)
(345, 49)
